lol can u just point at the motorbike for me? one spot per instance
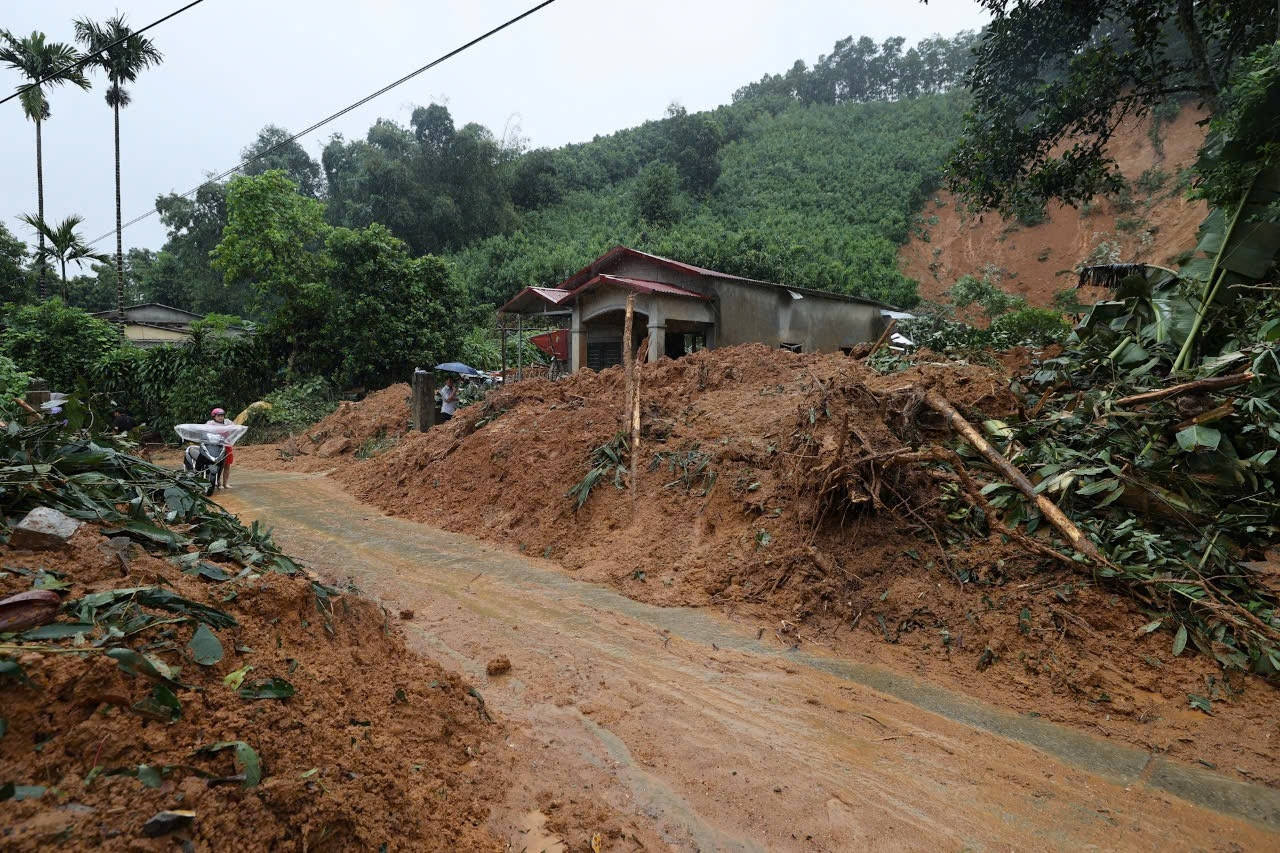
(207, 451)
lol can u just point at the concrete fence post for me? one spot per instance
(424, 400)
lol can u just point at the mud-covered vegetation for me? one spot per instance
(168, 672)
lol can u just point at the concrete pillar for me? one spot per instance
(657, 327)
(657, 341)
(577, 342)
(423, 407)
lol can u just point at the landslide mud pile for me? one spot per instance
(728, 505)
(375, 746)
(765, 487)
(350, 431)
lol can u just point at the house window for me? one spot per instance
(791, 347)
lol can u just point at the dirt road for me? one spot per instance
(708, 734)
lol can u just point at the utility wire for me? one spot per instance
(339, 113)
(82, 60)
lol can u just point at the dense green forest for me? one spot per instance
(809, 177)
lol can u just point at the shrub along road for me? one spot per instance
(703, 733)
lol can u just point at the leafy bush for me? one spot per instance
(13, 384)
(1152, 180)
(985, 293)
(167, 385)
(1030, 326)
(943, 335)
(1032, 215)
(301, 404)
(56, 343)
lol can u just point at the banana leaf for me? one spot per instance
(1235, 247)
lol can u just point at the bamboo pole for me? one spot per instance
(1213, 383)
(1047, 508)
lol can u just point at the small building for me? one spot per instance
(682, 308)
(151, 324)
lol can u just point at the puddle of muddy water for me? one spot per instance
(536, 837)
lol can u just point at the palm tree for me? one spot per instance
(64, 244)
(121, 62)
(37, 59)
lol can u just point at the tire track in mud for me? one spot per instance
(712, 739)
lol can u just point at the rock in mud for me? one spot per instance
(498, 665)
(333, 447)
(29, 609)
(165, 822)
(406, 614)
(42, 529)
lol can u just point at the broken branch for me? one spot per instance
(1047, 508)
(1213, 383)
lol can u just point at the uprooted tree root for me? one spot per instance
(902, 471)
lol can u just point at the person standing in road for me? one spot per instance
(218, 417)
(448, 400)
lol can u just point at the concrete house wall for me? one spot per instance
(777, 315)
(721, 310)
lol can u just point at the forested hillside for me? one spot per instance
(820, 195)
(810, 176)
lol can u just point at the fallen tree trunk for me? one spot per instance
(1047, 508)
(1213, 383)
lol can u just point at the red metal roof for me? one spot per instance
(607, 260)
(533, 296)
(640, 285)
(554, 295)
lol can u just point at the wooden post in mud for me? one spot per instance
(628, 377)
(423, 404)
(884, 337)
(1047, 508)
(639, 359)
(519, 346)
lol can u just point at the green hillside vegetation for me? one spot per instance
(810, 177)
(816, 195)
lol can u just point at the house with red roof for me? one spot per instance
(680, 308)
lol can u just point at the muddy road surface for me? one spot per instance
(664, 728)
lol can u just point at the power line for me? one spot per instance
(341, 112)
(82, 60)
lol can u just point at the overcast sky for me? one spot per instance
(575, 69)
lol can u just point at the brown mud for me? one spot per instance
(1037, 261)
(379, 746)
(865, 573)
(643, 727)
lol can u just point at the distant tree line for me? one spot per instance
(859, 71)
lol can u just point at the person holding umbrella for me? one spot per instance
(448, 399)
(449, 393)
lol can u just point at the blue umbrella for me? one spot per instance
(458, 367)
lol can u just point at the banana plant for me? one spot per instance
(1239, 169)
(1236, 246)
